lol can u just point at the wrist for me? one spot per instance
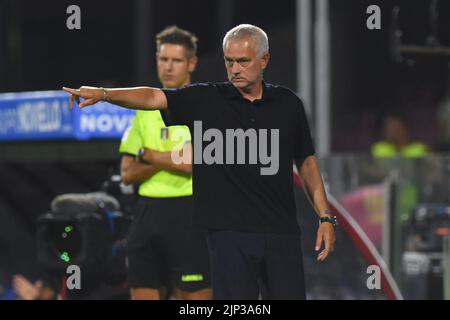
(140, 156)
(329, 219)
(104, 93)
(325, 213)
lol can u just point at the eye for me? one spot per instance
(243, 62)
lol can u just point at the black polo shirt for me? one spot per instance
(233, 196)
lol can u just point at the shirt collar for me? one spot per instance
(232, 93)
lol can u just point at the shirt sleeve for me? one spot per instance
(131, 139)
(185, 105)
(303, 144)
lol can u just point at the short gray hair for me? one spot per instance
(245, 31)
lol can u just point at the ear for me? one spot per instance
(192, 63)
(265, 60)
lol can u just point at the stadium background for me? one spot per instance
(115, 47)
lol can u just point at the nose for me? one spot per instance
(235, 68)
(169, 65)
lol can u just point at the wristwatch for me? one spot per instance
(331, 220)
(140, 155)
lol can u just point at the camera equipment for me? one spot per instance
(87, 230)
(423, 263)
(125, 194)
(429, 224)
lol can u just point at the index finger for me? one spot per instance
(72, 91)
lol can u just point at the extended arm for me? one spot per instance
(144, 98)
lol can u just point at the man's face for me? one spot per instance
(244, 67)
(395, 130)
(174, 65)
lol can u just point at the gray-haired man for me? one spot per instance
(253, 235)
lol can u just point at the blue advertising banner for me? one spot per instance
(46, 115)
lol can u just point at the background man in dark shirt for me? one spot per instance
(253, 236)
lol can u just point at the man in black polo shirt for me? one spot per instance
(246, 135)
